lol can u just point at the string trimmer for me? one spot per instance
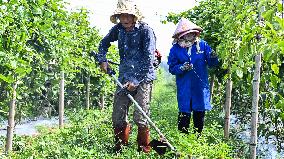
(161, 145)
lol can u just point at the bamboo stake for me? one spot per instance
(88, 93)
(102, 101)
(255, 99)
(49, 108)
(61, 100)
(212, 86)
(20, 114)
(11, 119)
(254, 120)
(228, 106)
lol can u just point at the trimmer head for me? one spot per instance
(159, 146)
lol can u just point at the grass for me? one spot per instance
(89, 134)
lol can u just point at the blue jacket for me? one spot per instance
(192, 85)
(136, 52)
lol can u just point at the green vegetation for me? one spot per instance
(88, 134)
(39, 39)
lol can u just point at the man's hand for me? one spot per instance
(130, 86)
(186, 66)
(104, 66)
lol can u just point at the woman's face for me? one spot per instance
(190, 37)
(127, 20)
(187, 40)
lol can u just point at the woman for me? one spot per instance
(189, 60)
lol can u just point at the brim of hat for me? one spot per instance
(114, 17)
(186, 32)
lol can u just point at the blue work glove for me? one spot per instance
(186, 66)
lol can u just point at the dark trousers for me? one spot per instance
(184, 121)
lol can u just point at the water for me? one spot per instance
(29, 127)
(265, 149)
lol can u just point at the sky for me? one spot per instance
(153, 10)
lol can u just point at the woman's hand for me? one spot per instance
(213, 54)
(186, 66)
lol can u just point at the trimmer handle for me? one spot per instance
(95, 55)
(109, 70)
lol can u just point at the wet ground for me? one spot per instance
(29, 127)
(266, 149)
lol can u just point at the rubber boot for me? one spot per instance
(121, 136)
(143, 139)
(183, 122)
(198, 120)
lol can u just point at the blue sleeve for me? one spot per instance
(105, 43)
(149, 46)
(174, 65)
(211, 61)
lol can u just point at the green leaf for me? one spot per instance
(80, 85)
(280, 104)
(268, 14)
(13, 64)
(2, 53)
(268, 24)
(2, 111)
(239, 72)
(8, 79)
(279, 7)
(280, 22)
(241, 63)
(248, 37)
(267, 54)
(274, 81)
(281, 43)
(282, 116)
(20, 71)
(37, 11)
(275, 68)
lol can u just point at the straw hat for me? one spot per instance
(126, 6)
(185, 26)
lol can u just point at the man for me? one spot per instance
(189, 60)
(136, 44)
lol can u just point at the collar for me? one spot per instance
(137, 25)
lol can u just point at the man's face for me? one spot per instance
(127, 20)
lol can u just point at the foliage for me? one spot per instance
(89, 134)
(38, 40)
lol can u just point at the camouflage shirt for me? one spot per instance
(136, 50)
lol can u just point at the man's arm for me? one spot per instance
(105, 43)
